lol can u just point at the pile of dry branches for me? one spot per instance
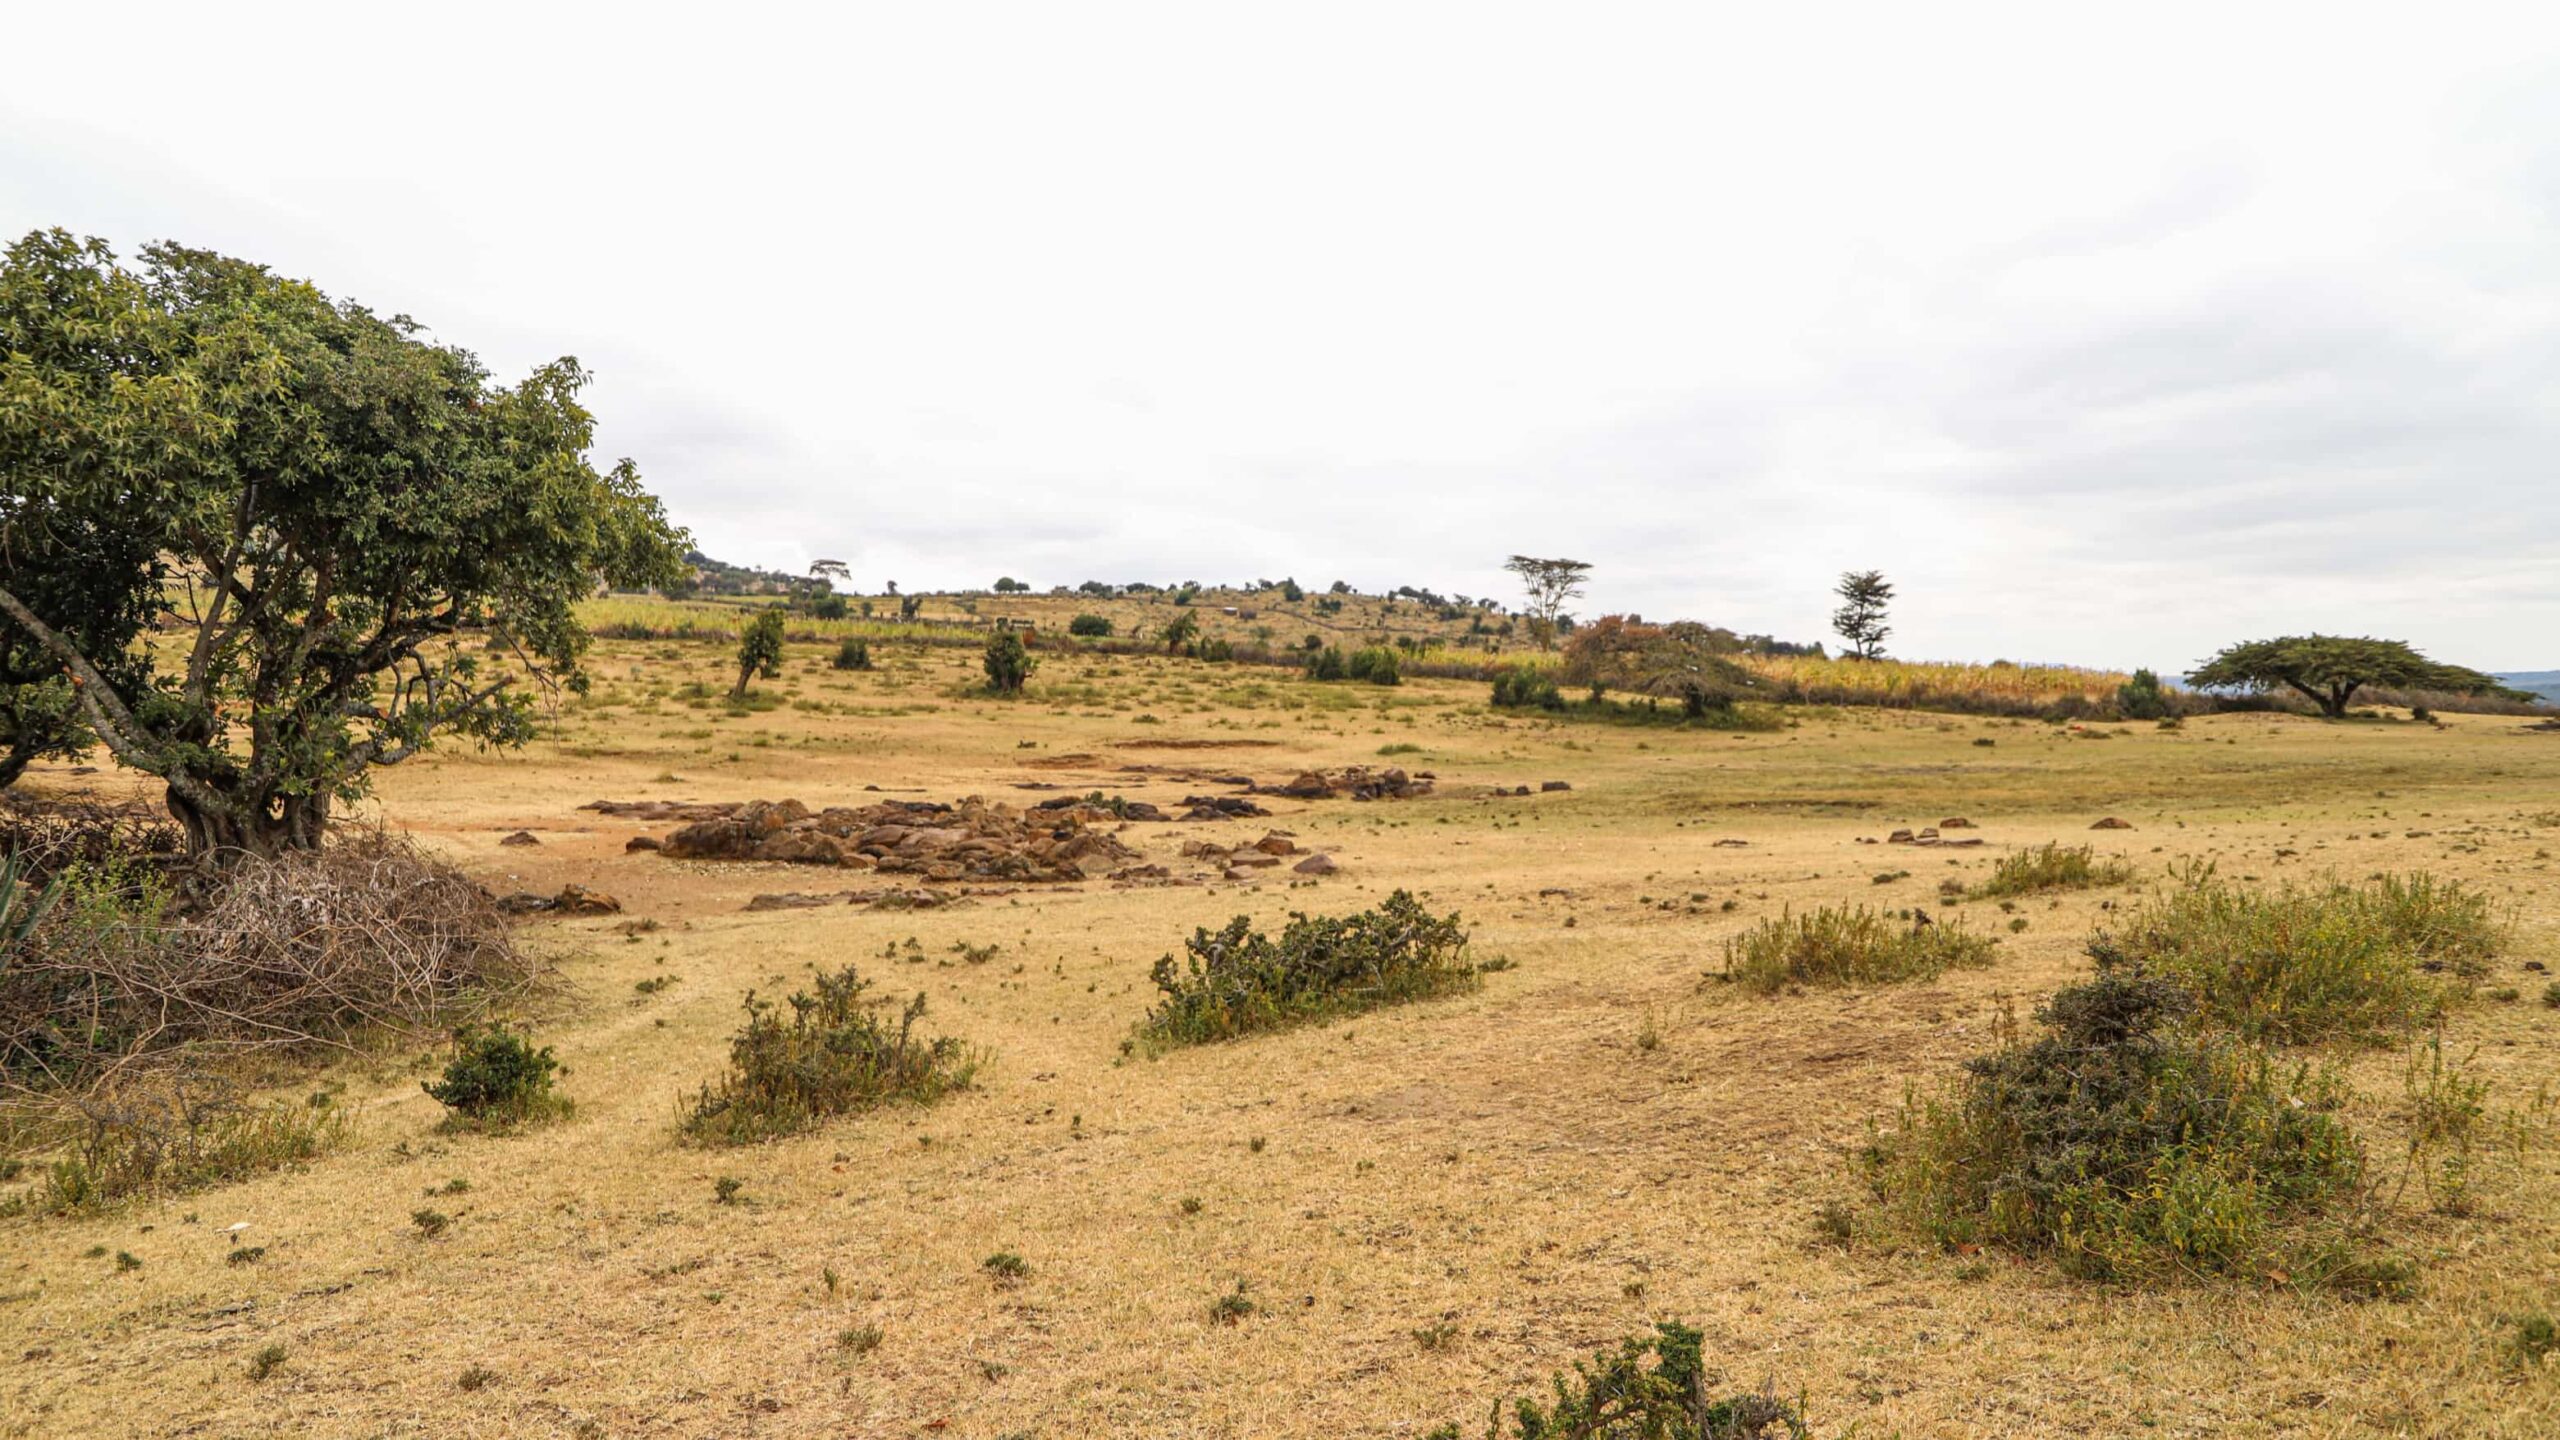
(311, 949)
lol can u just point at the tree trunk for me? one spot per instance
(13, 763)
(264, 829)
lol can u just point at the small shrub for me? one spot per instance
(1523, 687)
(832, 1055)
(1006, 1268)
(724, 1189)
(1326, 664)
(1239, 980)
(1652, 1387)
(481, 1377)
(2537, 1339)
(2142, 698)
(1090, 627)
(266, 1362)
(1008, 663)
(430, 1223)
(1372, 665)
(858, 1339)
(2051, 866)
(2298, 965)
(497, 1079)
(1231, 1307)
(852, 654)
(1854, 946)
(2130, 1146)
(173, 1133)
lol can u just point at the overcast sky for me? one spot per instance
(2110, 333)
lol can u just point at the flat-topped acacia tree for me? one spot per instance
(2328, 670)
(360, 543)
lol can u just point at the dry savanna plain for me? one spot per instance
(1425, 1207)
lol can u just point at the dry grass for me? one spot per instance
(1506, 1170)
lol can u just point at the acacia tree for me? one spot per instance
(1184, 629)
(1860, 618)
(363, 543)
(759, 651)
(2328, 670)
(1549, 583)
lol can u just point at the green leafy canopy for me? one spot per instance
(362, 542)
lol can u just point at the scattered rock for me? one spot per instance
(1221, 807)
(1551, 786)
(794, 900)
(521, 837)
(1276, 842)
(1956, 822)
(640, 842)
(1732, 844)
(1317, 865)
(579, 900)
(1360, 782)
(1899, 837)
(658, 811)
(572, 900)
(2112, 823)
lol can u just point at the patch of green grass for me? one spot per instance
(2298, 965)
(2051, 866)
(166, 1143)
(1852, 946)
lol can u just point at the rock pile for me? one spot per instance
(1360, 782)
(974, 840)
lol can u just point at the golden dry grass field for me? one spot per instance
(1430, 1206)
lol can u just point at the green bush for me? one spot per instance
(1652, 1387)
(853, 654)
(1524, 687)
(497, 1079)
(2131, 1147)
(833, 1055)
(1090, 627)
(2142, 698)
(1372, 665)
(1853, 946)
(759, 651)
(1239, 980)
(2296, 965)
(1008, 663)
(1326, 664)
(2051, 866)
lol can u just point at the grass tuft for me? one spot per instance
(1853, 946)
(2051, 866)
(2298, 965)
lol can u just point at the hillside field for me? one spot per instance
(1428, 1207)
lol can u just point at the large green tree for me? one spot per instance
(2328, 670)
(359, 542)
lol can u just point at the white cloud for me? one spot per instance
(2111, 335)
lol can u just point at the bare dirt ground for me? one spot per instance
(1430, 1207)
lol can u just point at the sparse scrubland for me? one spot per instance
(2245, 1055)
